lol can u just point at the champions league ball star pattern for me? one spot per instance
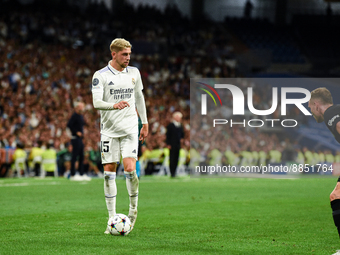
(119, 225)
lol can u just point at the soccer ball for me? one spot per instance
(119, 225)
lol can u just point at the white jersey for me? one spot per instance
(109, 86)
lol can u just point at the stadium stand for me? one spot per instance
(261, 34)
(316, 34)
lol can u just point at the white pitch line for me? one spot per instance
(14, 184)
(22, 184)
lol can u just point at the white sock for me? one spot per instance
(132, 184)
(110, 190)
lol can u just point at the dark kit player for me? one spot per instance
(322, 108)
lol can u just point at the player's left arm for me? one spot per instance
(141, 108)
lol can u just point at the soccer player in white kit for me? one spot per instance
(117, 92)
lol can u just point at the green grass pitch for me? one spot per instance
(179, 216)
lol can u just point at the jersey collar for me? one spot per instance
(114, 71)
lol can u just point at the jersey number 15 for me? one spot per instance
(104, 146)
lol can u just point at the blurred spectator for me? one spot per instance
(288, 153)
(34, 159)
(64, 161)
(49, 161)
(248, 9)
(19, 157)
(92, 161)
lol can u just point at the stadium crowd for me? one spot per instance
(49, 59)
(49, 65)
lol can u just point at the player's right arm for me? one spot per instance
(98, 83)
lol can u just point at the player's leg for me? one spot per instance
(81, 157)
(110, 187)
(132, 185)
(110, 155)
(129, 147)
(75, 149)
(335, 204)
(174, 156)
(67, 168)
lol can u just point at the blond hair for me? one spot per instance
(119, 44)
(323, 94)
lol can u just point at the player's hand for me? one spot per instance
(144, 132)
(121, 105)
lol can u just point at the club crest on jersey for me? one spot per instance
(133, 81)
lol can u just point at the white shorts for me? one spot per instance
(112, 148)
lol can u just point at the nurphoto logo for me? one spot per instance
(238, 104)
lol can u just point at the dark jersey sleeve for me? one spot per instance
(331, 118)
